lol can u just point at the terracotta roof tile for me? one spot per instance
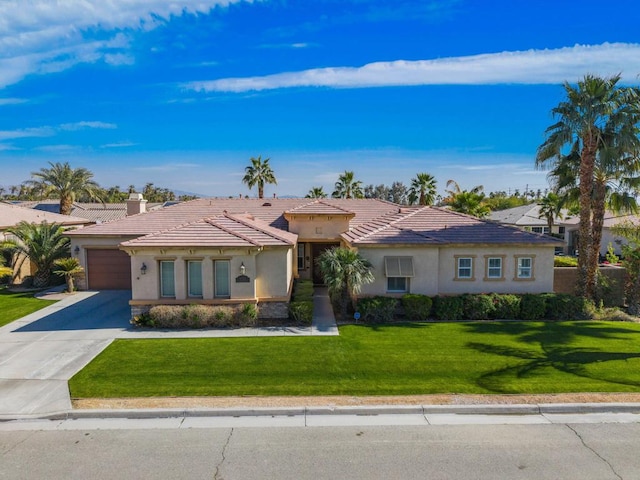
(11, 215)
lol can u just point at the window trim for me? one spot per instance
(487, 268)
(161, 277)
(301, 257)
(406, 285)
(189, 263)
(215, 278)
(457, 276)
(516, 274)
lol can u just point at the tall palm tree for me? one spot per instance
(550, 209)
(423, 188)
(470, 203)
(347, 186)
(42, 244)
(259, 173)
(316, 192)
(345, 272)
(598, 120)
(66, 183)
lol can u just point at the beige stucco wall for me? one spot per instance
(425, 267)
(318, 227)
(274, 270)
(542, 270)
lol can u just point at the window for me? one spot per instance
(167, 279)
(464, 268)
(397, 284)
(301, 256)
(222, 288)
(398, 270)
(194, 271)
(493, 268)
(525, 267)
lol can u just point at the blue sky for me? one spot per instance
(183, 93)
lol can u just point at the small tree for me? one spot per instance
(631, 262)
(345, 272)
(69, 268)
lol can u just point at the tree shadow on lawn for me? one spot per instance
(555, 352)
(379, 327)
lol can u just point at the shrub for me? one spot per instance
(561, 261)
(247, 315)
(477, 307)
(417, 307)
(377, 309)
(532, 307)
(301, 311)
(448, 308)
(506, 306)
(562, 306)
(198, 316)
(302, 290)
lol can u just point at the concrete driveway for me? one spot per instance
(39, 353)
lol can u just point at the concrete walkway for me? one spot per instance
(39, 353)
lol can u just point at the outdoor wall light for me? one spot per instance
(243, 269)
(143, 269)
(76, 250)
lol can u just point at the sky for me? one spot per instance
(183, 93)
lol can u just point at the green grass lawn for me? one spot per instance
(17, 305)
(507, 357)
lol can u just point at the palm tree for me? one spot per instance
(316, 192)
(550, 209)
(470, 203)
(344, 271)
(423, 188)
(259, 173)
(42, 244)
(598, 119)
(69, 268)
(347, 186)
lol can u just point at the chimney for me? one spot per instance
(136, 204)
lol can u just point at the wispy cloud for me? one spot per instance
(118, 145)
(27, 132)
(12, 101)
(61, 148)
(37, 37)
(86, 124)
(519, 67)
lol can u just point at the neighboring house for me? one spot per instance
(11, 215)
(567, 227)
(230, 251)
(98, 212)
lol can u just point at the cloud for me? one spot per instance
(40, 36)
(118, 145)
(61, 148)
(550, 66)
(12, 101)
(27, 132)
(85, 124)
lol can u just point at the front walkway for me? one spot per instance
(39, 353)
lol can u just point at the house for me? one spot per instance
(98, 212)
(230, 251)
(566, 226)
(12, 215)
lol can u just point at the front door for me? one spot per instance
(316, 251)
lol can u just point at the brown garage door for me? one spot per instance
(108, 269)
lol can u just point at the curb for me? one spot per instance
(485, 409)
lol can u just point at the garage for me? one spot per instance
(108, 269)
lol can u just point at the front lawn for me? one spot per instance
(17, 305)
(487, 357)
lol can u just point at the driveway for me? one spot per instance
(39, 353)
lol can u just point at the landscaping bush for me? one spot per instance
(562, 306)
(448, 308)
(532, 307)
(417, 307)
(301, 311)
(506, 306)
(377, 309)
(477, 307)
(561, 261)
(198, 316)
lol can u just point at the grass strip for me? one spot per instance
(482, 357)
(17, 305)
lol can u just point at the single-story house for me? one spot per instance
(566, 226)
(230, 251)
(12, 215)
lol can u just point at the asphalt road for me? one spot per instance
(598, 451)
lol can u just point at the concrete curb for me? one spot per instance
(484, 409)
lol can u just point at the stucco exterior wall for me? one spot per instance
(274, 272)
(541, 281)
(318, 227)
(425, 267)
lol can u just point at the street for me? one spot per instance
(197, 449)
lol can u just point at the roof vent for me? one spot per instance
(266, 204)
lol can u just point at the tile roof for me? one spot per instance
(11, 215)
(270, 211)
(528, 215)
(319, 207)
(221, 231)
(433, 225)
(95, 212)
